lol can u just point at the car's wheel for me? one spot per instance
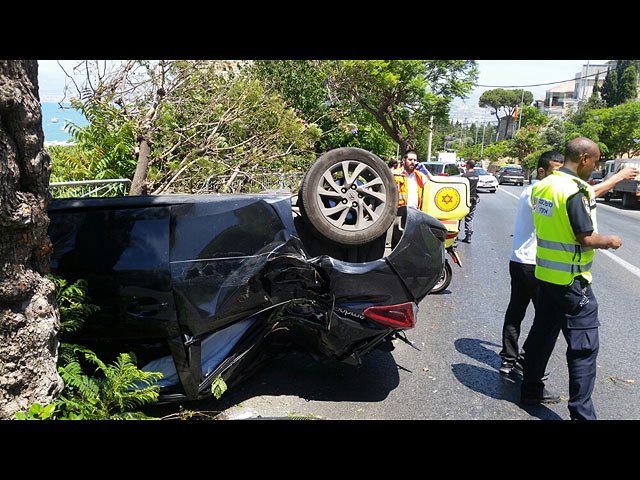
(628, 200)
(349, 196)
(445, 278)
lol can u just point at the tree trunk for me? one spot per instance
(29, 320)
(139, 183)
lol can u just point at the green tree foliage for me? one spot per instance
(471, 151)
(505, 102)
(68, 162)
(610, 88)
(621, 83)
(531, 160)
(526, 141)
(302, 85)
(628, 84)
(216, 124)
(532, 116)
(617, 128)
(553, 133)
(400, 94)
(106, 145)
(178, 123)
(497, 151)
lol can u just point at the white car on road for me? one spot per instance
(487, 181)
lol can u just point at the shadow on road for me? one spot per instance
(475, 348)
(298, 374)
(490, 382)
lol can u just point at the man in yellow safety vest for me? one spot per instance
(564, 215)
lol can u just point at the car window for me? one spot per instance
(434, 168)
(513, 171)
(451, 169)
(596, 175)
(481, 171)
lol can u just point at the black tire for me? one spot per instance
(445, 279)
(349, 196)
(628, 200)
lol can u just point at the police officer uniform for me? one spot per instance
(473, 178)
(563, 207)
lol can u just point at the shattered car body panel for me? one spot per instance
(175, 274)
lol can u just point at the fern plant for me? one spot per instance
(111, 391)
(109, 140)
(72, 302)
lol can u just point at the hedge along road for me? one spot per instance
(455, 373)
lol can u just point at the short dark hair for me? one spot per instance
(408, 151)
(549, 156)
(579, 146)
(471, 163)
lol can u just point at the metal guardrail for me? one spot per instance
(251, 183)
(113, 187)
(240, 183)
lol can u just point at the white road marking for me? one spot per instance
(632, 268)
(517, 197)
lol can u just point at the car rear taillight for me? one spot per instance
(443, 174)
(394, 316)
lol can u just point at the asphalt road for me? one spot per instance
(455, 374)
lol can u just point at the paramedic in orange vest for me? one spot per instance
(410, 181)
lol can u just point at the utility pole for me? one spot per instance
(521, 108)
(584, 82)
(430, 138)
(484, 124)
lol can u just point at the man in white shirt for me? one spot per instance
(524, 286)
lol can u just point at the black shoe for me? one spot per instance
(517, 370)
(506, 366)
(542, 397)
(466, 240)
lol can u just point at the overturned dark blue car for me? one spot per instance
(202, 286)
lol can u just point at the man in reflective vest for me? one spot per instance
(410, 181)
(564, 216)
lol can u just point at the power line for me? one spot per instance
(539, 84)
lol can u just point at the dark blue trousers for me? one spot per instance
(524, 289)
(573, 310)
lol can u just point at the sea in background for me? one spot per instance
(54, 120)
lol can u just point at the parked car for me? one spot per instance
(595, 177)
(486, 182)
(442, 168)
(513, 175)
(202, 286)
